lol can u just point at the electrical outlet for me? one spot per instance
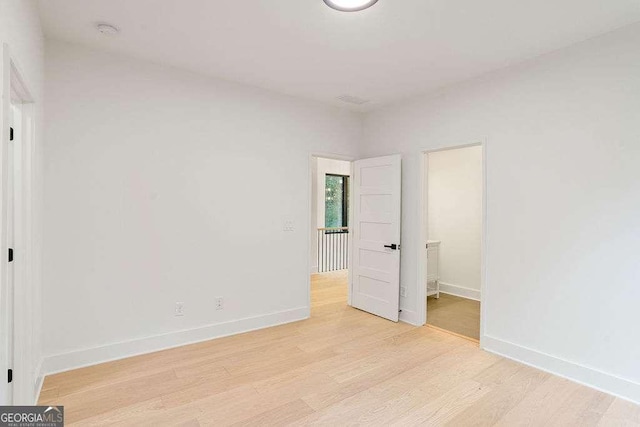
(179, 309)
(219, 303)
(403, 291)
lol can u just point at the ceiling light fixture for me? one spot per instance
(107, 29)
(350, 5)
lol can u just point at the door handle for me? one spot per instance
(392, 246)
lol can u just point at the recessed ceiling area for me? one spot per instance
(393, 50)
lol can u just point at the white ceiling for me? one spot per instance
(396, 49)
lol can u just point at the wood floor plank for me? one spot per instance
(455, 314)
(621, 413)
(445, 407)
(282, 415)
(507, 392)
(341, 366)
(104, 399)
(585, 407)
(403, 392)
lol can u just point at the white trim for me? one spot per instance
(92, 356)
(19, 90)
(422, 206)
(39, 382)
(410, 317)
(483, 245)
(459, 291)
(314, 269)
(21, 324)
(6, 322)
(581, 374)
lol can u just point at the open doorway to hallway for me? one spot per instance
(454, 232)
(330, 189)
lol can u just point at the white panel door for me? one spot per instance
(376, 236)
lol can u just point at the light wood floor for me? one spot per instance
(341, 367)
(455, 314)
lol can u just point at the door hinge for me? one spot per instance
(10, 134)
(10, 375)
(10, 254)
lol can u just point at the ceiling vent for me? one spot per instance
(352, 99)
(107, 29)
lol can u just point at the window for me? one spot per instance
(336, 201)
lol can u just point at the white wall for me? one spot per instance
(454, 211)
(563, 201)
(320, 168)
(164, 186)
(20, 30)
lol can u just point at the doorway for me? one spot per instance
(329, 229)
(355, 218)
(452, 254)
(18, 307)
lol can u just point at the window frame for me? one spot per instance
(345, 202)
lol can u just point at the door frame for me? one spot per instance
(332, 156)
(22, 321)
(423, 218)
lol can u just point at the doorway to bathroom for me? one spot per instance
(453, 250)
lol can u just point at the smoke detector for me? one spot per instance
(107, 29)
(352, 99)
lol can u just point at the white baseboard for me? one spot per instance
(314, 269)
(585, 375)
(410, 317)
(459, 291)
(39, 382)
(92, 356)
